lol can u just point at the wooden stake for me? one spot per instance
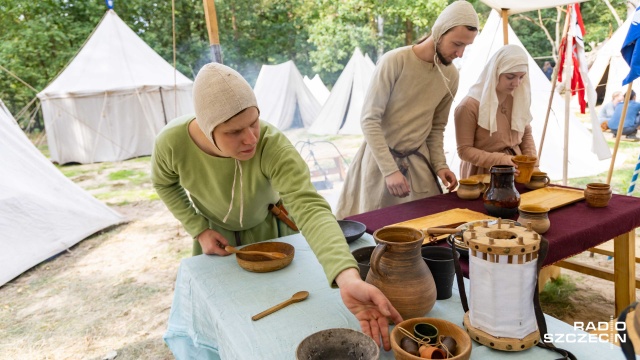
(627, 96)
(505, 26)
(212, 28)
(553, 89)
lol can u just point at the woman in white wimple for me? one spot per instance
(493, 120)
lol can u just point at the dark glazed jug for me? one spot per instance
(502, 198)
(398, 270)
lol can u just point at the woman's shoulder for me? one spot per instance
(468, 103)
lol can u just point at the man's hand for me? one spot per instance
(397, 184)
(213, 243)
(448, 179)
(369, 305)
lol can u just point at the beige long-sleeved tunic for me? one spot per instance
(406, 109)
(477, 149)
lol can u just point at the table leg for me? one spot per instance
(624, 267)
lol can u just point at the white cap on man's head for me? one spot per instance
(457, 14)
(219, 93)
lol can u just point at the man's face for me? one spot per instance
(237, 137)
(453, 43)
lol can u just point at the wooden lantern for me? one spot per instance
(503, 271)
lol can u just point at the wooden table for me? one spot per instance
(574, 228)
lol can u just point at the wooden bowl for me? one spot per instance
(338, 343)
(445, 328)
(260, 263)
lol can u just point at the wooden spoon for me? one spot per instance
(270, 254)
(297, 297)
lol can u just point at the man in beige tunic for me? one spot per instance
(404, 116)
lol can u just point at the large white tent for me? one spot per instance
(283, 98)
(609, 68)
(318, 88)
(41, 211)
(582, 161)
(110, 102)
(341, 113)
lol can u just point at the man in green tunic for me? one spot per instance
(404, 116)
(218, 172)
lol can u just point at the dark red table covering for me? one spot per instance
(574, 228)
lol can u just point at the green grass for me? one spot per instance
(556, 297)
(127, 196)
(134, 176)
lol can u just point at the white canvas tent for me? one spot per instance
(41, 211)
(582, 161)
(609, 68)
(318, 88)
(283, 98)
(341, 113)
(110, 102)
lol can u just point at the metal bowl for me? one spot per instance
(343, 344)
(352, 230)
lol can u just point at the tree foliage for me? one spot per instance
(38, 38)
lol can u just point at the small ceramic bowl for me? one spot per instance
(445, 328)
(337, 344)
(426, 332)
(352, 230)
(363, 257)
(260, 263)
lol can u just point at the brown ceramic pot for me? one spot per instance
(537, 215)
(597, 194)
(398, 270)
(539, 180)
(469, 189)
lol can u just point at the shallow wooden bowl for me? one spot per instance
(260, 263)
(446, 328)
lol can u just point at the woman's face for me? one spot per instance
(509, 82)
(237, 137)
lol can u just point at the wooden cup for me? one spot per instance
(525, 164)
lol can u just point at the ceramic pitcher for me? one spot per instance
(398, 270)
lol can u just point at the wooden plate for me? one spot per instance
(551, 197)
(442, 219)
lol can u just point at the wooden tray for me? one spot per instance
(441, 219)
(551, 197)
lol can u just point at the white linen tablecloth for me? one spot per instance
(214, 300)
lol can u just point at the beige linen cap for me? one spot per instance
(219, 93)
(458, 13)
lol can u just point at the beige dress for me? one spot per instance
(406, 109)
(477, 149)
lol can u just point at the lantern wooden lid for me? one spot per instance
(501, 238)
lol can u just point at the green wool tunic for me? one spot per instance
(197, 188)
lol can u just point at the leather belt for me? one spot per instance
(405, 168)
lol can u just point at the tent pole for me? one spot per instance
(212, 28)
(505, 26)
(627, 96)
(554, 81)
(568, 66)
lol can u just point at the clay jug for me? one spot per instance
(502, 199)
(398, 270)
(597, 194)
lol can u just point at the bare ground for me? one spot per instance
(111, 293)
